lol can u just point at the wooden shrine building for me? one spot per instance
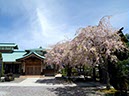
(28, 62)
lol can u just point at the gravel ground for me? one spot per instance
(47, 87)
(47, 91)
(50, 86)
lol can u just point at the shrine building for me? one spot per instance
(28, 62)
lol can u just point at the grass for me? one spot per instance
(110, 91)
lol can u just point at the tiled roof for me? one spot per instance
(31, 54)
(36, 49)
(9, 45)
(15, 56)
(11, 57)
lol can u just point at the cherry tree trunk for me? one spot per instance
(69, 71)
(94, 74)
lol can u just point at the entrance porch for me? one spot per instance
(32, 66)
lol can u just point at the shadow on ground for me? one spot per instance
(75, 91)
(53, 81)
(81, 91)
(64, 81)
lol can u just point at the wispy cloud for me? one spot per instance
(34, 23)
(35, 27)
(48, 31)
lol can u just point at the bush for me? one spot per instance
(74, 72)
(64, 72)
(9, 77)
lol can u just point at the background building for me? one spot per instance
(28, 62)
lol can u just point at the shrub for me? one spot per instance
(9, 77)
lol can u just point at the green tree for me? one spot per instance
(127, 35)
(119, 73)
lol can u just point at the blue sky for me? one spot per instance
(34, 23)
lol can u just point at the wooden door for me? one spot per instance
(33, 70)
(33, 66)
(37, 70)
(29, 70)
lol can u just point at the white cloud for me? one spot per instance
(36, 26)
(50, 32)
(44, 22)
(43, 30)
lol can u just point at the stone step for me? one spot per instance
(32, 76)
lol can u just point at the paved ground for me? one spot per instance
(25, 91)
(48, 86)
(47, 91)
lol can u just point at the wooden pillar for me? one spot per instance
(23, 68)
(42, 67)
